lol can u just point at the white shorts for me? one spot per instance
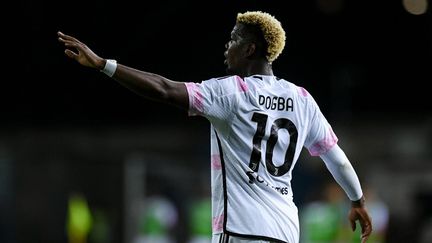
(224, 238)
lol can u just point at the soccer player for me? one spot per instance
(259, 125)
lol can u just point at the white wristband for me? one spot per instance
(110, 67)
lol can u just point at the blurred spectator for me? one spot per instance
(79, 219)
(326, 220)
(159, 218)
(321, 220)
(200, 220)
(101, 230)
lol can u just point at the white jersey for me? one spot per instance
(259, 126)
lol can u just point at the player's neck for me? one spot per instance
(259, 68)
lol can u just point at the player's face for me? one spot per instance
(235, 52)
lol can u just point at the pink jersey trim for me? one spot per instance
(241, 84)
(217, 223)
(216, 162)
(196, 105)
(302, 91)
(324, 145)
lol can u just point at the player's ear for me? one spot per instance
(250, 49)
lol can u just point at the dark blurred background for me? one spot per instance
(67, 130)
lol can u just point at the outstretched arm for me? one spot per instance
(148, 85)
(343, 172)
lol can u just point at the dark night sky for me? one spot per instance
(369, 57)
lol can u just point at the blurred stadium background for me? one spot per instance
(83, 159)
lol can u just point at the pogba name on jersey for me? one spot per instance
(276, 103)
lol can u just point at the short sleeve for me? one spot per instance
(196, 98)
(321, 137)
(213, 98)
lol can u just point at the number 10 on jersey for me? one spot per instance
(280, 123)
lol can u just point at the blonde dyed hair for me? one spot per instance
(271, 28)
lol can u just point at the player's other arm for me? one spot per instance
(146, 84)
(343, 172)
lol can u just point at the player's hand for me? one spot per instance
(359, 212)
(82, 54)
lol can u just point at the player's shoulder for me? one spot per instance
(224, 85)
(225, 77)
(299, 90)
(301, 93)
(220, 79)
(224, 81)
